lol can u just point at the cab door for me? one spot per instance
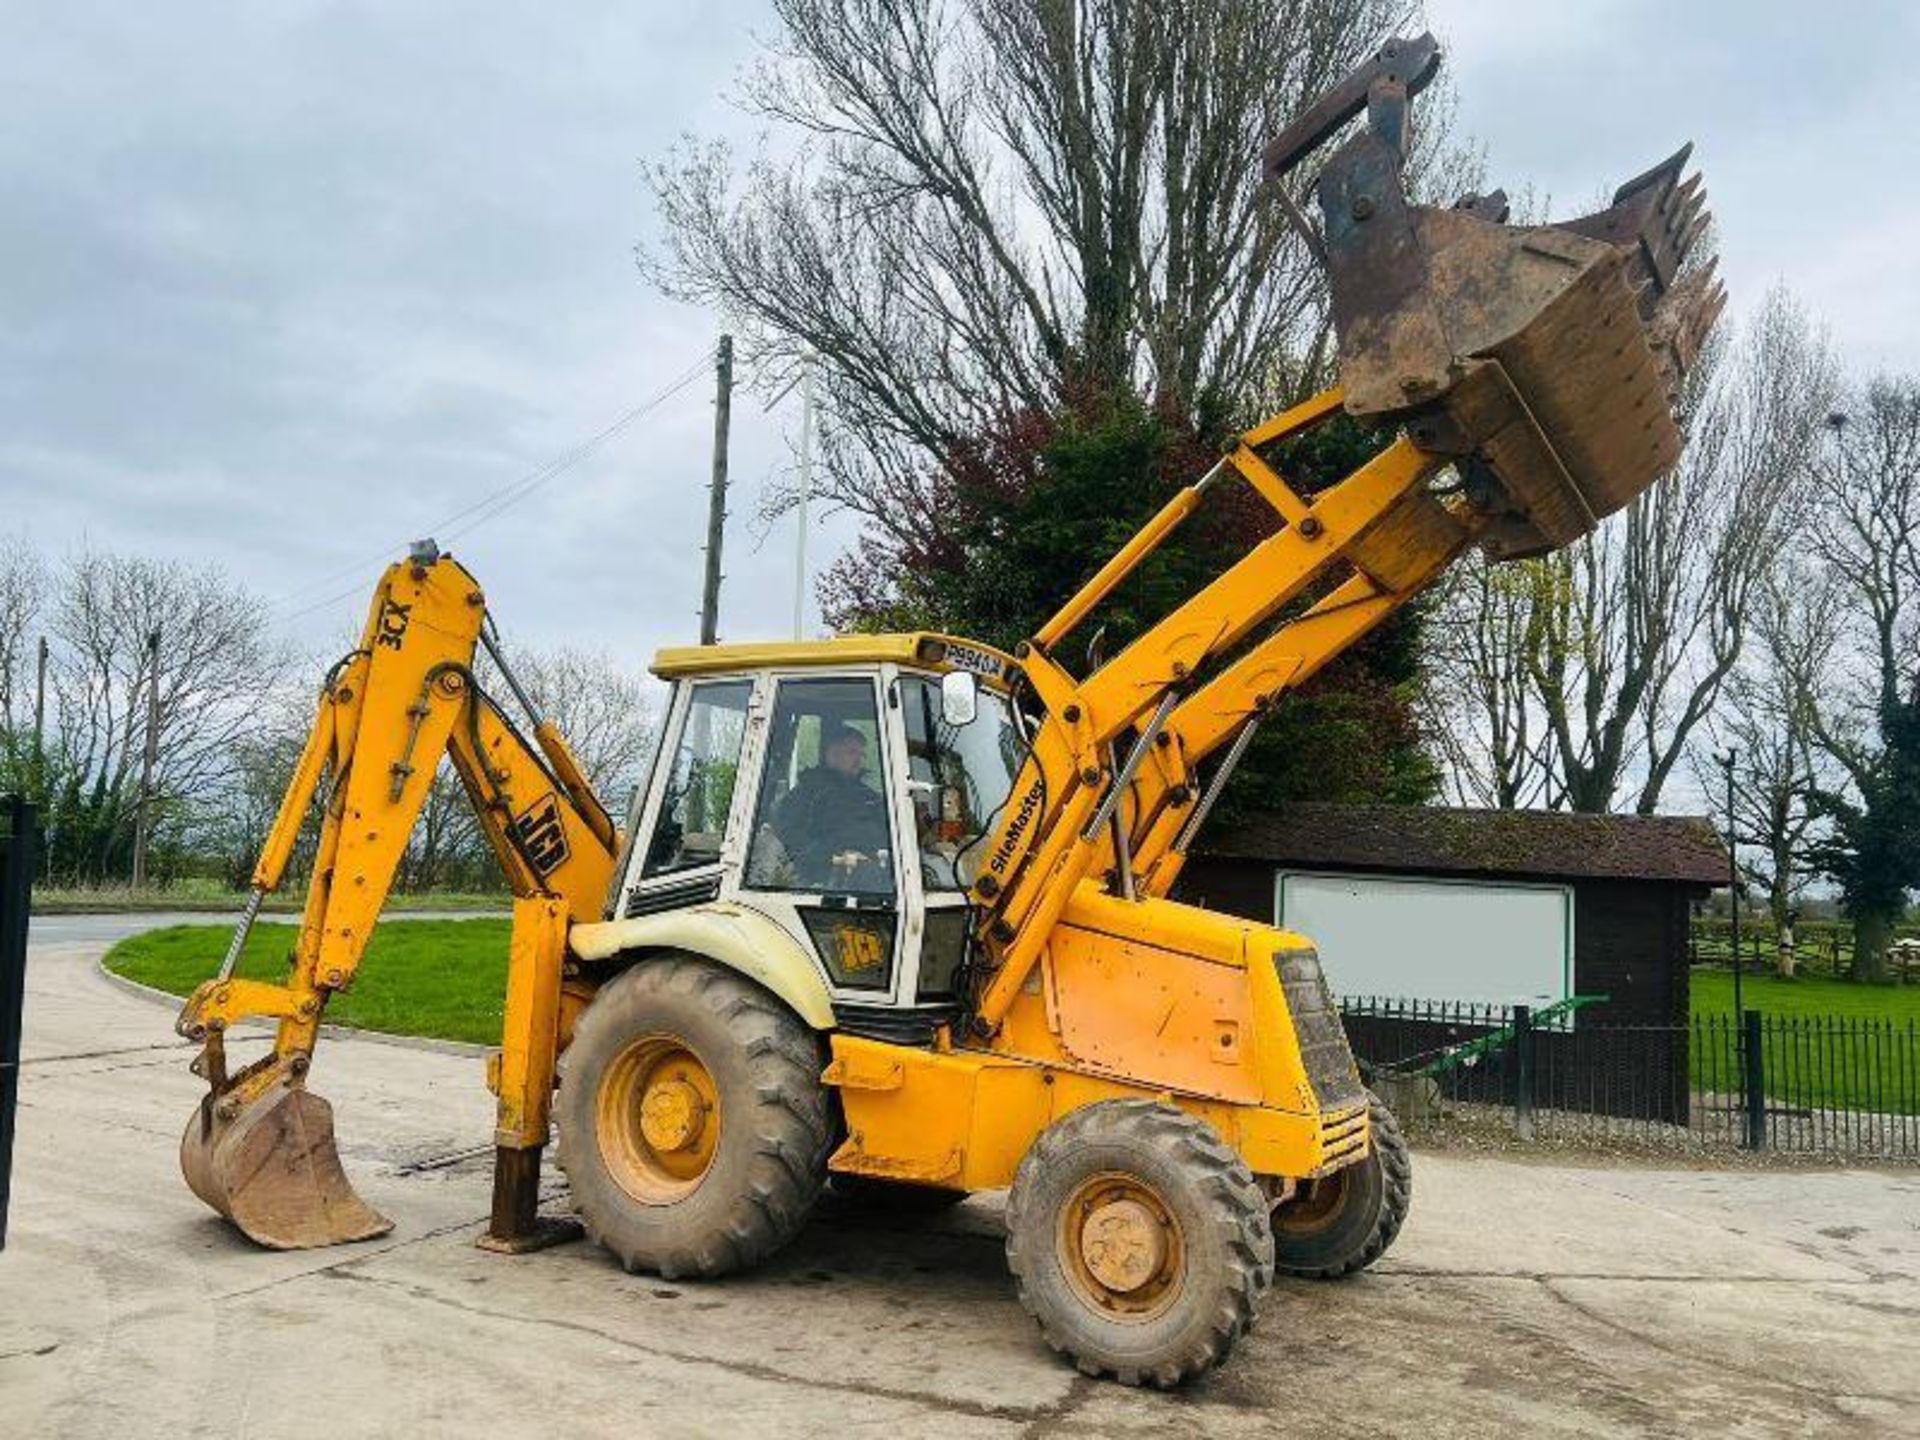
(821, 856)
(937, 836)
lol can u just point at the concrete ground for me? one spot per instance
(1522, 1298)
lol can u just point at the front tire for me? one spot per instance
(694, 1129)
(1340, 1224)
(1139, 1242)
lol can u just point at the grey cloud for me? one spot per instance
(282, 283)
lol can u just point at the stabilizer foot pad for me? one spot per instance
(546, 1232)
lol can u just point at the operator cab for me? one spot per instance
(843, 789)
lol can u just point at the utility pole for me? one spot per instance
(717, 494)
(143, 825)
(806, 494)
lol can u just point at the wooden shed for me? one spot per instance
(1626, 884)
(1482, 908)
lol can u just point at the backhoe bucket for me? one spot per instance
(272, 1168)
(1547, 358)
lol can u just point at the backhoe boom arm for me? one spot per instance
(405, 697)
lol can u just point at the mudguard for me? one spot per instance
(728, 934)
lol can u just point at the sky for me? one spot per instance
(285, 285)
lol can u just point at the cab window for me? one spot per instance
(820, 821)
(699, 786)
(958, 776)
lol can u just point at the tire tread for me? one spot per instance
(789, 1115)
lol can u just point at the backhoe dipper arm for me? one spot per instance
(405, 697)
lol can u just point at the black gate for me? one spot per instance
(17, 856)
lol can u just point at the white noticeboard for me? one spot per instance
(1441, 940)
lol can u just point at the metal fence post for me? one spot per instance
(1754, 1081)
(1523, 1071)
(16, 889)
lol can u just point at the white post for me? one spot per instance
(806, 494)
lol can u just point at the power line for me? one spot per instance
(494, 503)
(581, 452)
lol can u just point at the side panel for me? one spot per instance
(1151, 1015)
(964, 1119)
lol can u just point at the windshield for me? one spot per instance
(958, 777)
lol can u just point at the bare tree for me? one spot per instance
(1864, 703)
(445, 848)
(1767, 716)
(229, 824)
(22, 586)
(1630, 637)
(995, 203)
(217, 663)
(600, 709)
(1476, 702)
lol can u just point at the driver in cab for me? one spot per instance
(832, 823)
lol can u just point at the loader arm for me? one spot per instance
(401, 700)
(1533, 366)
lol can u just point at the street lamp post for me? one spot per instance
(1733, 879)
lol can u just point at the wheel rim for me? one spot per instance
(657, 1119)
(1121, 1248)
(1317, 1204)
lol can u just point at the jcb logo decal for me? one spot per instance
(391, 629)
(859, 949)
(541, 835)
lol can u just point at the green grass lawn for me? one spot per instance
(441, 978)
(1867, 1058)
(1713, 995)
(210, 896)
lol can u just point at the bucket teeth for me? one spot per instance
(1545, 358)
(1654, 217)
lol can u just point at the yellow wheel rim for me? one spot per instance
(1121, 1249)
(657, 1119)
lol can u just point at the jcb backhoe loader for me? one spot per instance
(892, 912)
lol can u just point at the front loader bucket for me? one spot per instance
(272, 1170)
(1545, 357)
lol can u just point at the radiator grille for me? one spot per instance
(1323, 1040)
(1343, 1138)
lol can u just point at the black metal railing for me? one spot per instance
(1826, 1084)
(18, 854)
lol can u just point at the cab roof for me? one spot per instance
(921, 648)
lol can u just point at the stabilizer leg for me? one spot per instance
(517, 1226)
(523, 1081)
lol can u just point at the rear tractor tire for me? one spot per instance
(1139, 1241)
(694, 1129)
(1340, 1224)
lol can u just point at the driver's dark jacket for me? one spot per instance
(828, 812)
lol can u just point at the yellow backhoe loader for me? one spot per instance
(891, 912)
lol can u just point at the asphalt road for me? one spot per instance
(1522, 1298)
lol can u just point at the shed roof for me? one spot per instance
(1439, 840)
